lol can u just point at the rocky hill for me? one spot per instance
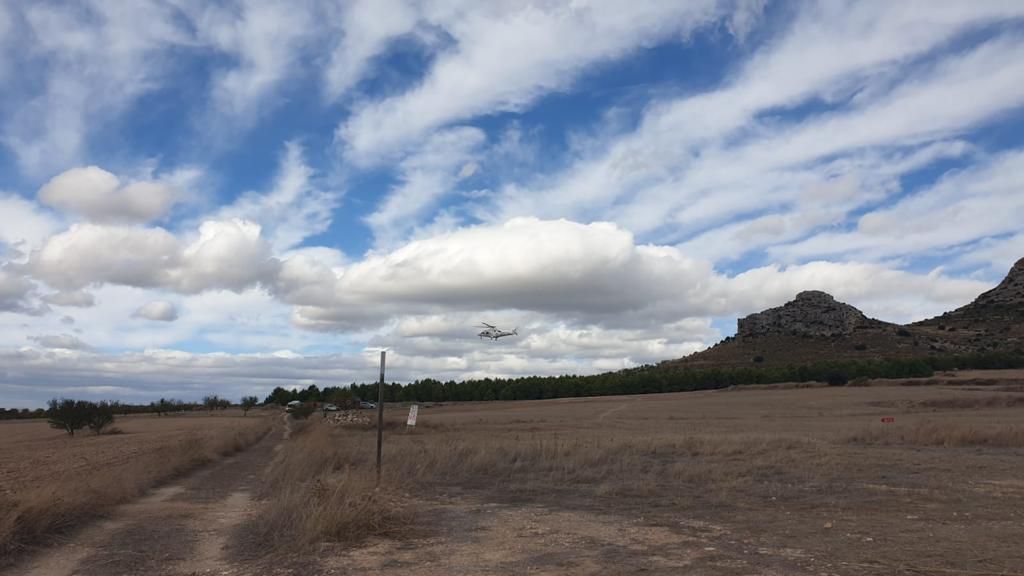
(811, 313)
(814, 326)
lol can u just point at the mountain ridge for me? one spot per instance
(814, 326)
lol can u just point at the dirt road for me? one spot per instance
(178, 529)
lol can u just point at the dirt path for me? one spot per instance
(625, 404)
(178, 529)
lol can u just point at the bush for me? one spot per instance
(860, 346)
(68, 415)
(758, 359)
(903, 332)
(837, 379)
(302, 411)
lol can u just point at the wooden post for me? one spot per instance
(380, 414)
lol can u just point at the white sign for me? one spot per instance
(413, 410)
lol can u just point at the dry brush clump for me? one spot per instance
(31, 515)
(946, 434)
(321, 487)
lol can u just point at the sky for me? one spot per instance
(223, 197)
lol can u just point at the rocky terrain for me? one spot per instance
(811, 313)
(815, 326)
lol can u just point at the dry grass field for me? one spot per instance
(774, 480)
(51, 482)
(783, 480)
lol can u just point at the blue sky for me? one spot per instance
(223, 197)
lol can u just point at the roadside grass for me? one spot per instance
(33, 515)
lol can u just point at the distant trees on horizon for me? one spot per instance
(641, 380)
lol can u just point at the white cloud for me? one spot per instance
(505, 56)
(227, 254)
(74, 298)
(157, 310)
(978, 202)
(100, 196)
(365, 28)
(266, 39)
(425, 177)
(585, 275)
(23, 225)
(60, 341)
(295, 207)
(676, 173)
(16, 293)
(91, 60)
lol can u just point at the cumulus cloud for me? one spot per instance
(587, 274)
(227, 254)
(100, 196)
(16, 294)
(23, 224)
(158, 310)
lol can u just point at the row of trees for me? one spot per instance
(646, 380)
(77, 409)
(642, 380)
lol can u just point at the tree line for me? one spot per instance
(75, 415)
(649, 379)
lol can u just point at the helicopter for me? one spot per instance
(493, 332)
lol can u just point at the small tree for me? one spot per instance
(211, 402)
(248, 403)
(100, 416)
(67, 414)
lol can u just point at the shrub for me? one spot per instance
(758, 359)
(903, 332)
(837, 379)
(302, 411)
(860, 346)
(68, 415)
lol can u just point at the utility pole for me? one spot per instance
(380, 413)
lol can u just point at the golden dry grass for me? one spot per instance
(934, 433)
(52, 501)
(771, 464)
